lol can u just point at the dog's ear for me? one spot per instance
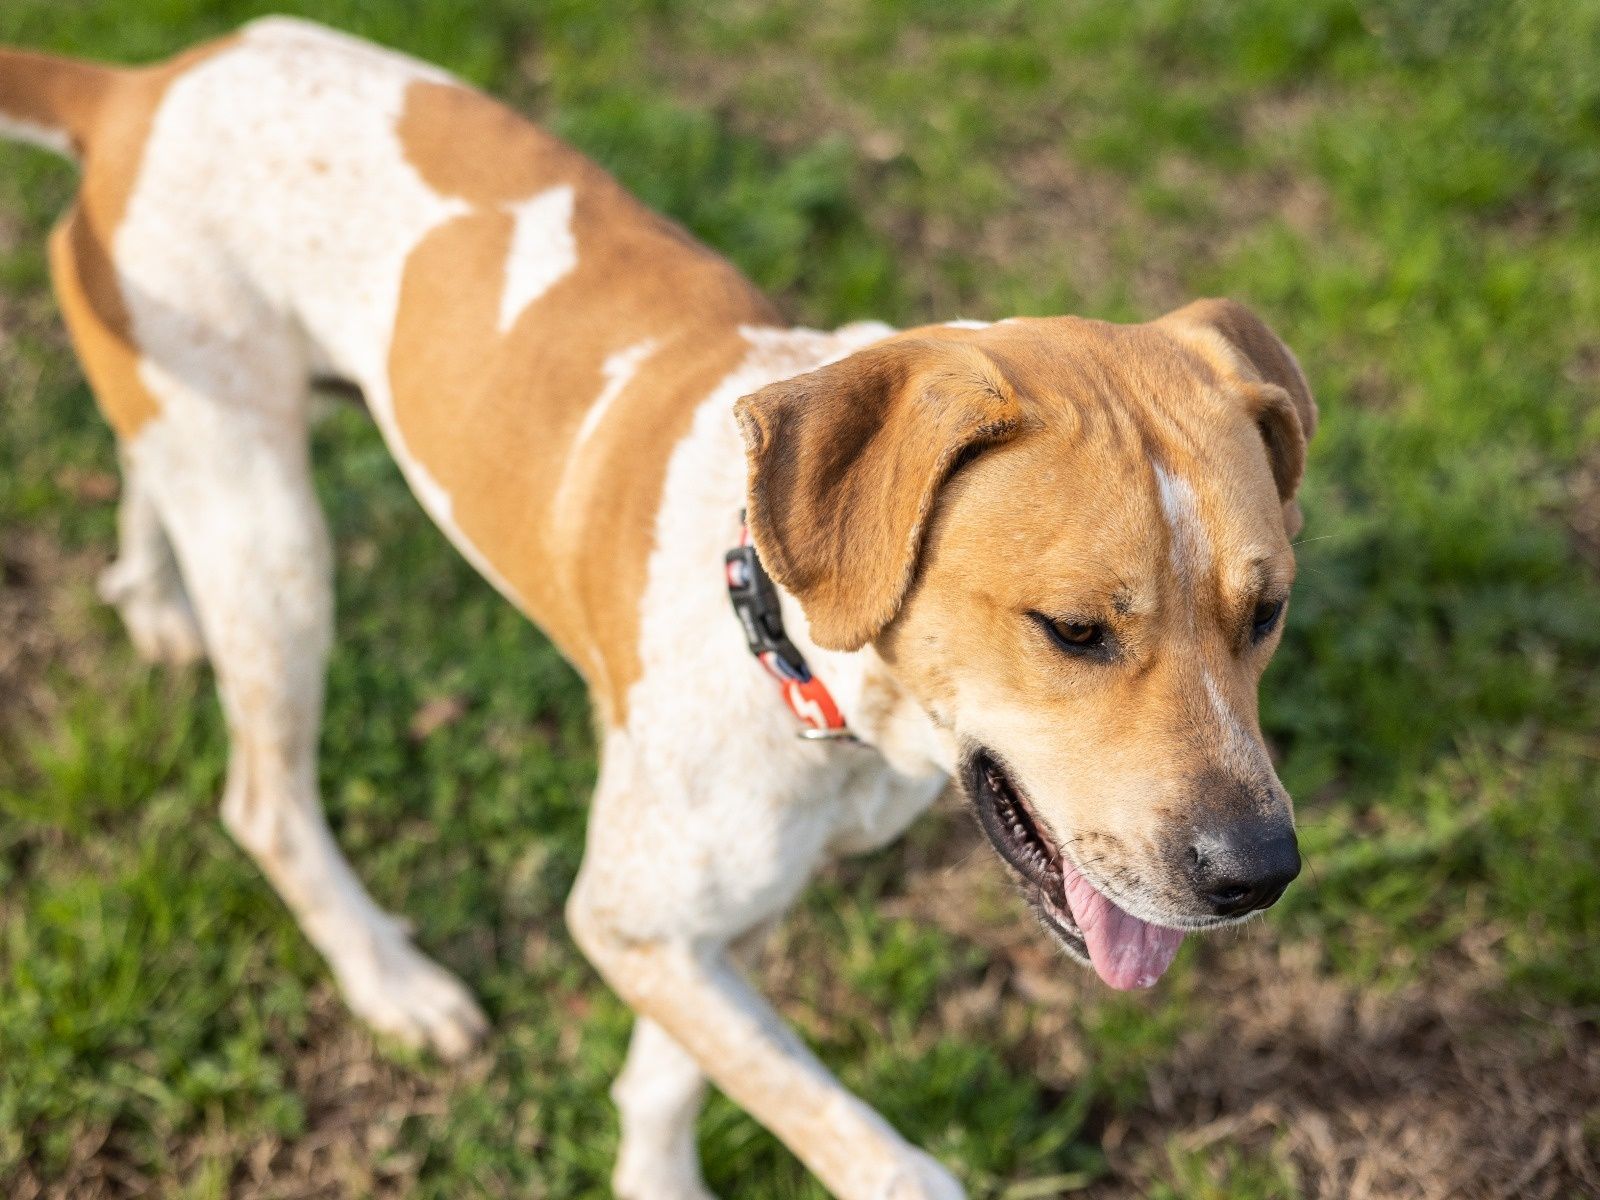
(1238, 343)
(845, 463)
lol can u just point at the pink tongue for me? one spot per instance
(1126, 952)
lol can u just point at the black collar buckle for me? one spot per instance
(755, 600)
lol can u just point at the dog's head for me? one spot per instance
(1070, 542)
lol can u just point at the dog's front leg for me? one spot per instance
(692, 993)
(658, 1096)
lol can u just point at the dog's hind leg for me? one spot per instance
(234, 486)
(143, 584)
(212, 407)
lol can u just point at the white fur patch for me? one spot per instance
(1219, 705)
(314, 37)
(542, 250)
(1242, 752)
(43, 136)
(618, 371)
(721, 822)
(1191, 548)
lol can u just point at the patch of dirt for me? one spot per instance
(1437, 1091)
(1440, 1090)
(45, 593)
(1061, 213)
(1583, 508)
(355, 1104)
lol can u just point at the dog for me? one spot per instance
(808, 577)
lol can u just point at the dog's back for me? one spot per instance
(290, 192)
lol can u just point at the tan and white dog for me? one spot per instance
(1047, 556)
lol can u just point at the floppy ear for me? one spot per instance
(845, 463)
(1239, 344)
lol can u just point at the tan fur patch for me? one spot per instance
(53, 93)
(495, 416)
(91, 304)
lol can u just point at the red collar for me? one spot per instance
(755, 601)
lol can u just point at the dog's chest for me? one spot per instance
(877, 804)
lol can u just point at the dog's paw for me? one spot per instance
(412, 999)
(638, 1180)
(921, 1177)
(158, 617)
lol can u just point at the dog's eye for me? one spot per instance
(1264, 617)
(1075, 637)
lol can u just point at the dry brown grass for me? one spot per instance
(1440, 1089)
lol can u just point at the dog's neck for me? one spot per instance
(878, 709)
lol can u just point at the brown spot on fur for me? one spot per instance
(112, 138)
(493, 415)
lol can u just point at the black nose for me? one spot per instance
(1245, 869)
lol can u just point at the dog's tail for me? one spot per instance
(49, 101)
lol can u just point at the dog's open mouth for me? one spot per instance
(1125, 951)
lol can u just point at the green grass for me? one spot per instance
(1409, 192)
